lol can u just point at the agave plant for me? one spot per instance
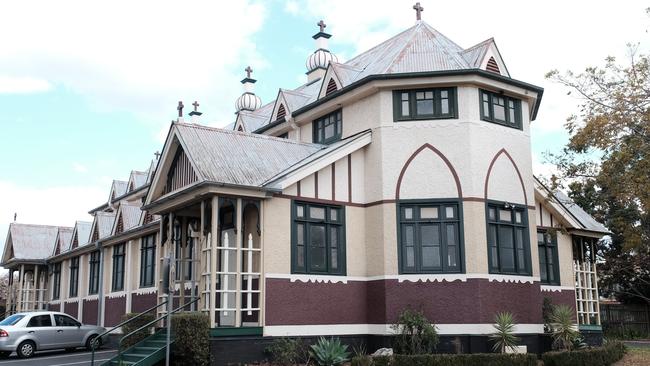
(562, 327)
(329, 352)
(504, 337)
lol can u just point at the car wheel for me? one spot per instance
(93, 339)
(4, 354)
(26, 349)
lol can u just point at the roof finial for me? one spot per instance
(157, 154)
(249, 71)
(418, 10)
(180, 108)
(196, 106)
(322, 25)
(15, 216)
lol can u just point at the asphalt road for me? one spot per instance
(59, 358)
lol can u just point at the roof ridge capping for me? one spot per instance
(248, 134)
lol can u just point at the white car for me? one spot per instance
(26, 333)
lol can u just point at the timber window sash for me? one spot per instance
(93, 265)
(431, 103)
(74, 276)
(56, 282)
(500, 109)
(430, 236)
(318, 239)
(548, 258)
(329, 128)
(147, 260)
(118, 267)
(507, 238)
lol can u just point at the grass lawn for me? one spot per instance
(635, 357)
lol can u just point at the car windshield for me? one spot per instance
(12, 320)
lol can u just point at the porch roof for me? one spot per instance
(29, 242)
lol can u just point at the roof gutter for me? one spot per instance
(410, 75)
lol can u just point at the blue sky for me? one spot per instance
(87, 91)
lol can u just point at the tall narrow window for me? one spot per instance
(507, 231)
(93, 265)
(318, 238)
(74, 276)
(56, 281)
(431, 103)
(328, 129)
(118, 267)
(500, 109)
(147, 260)
(430, 237)
(548, 258)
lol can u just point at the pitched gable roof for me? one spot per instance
(102, 226)
(118, 188)
(127, 217)
(63, 238)
(80, 234)
(137, 179)
(29, 242)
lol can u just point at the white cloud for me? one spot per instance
(140, 56)
(22, 85)
(79, 168)
(292, 7)
(61, 205)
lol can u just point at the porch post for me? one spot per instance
(21, 284)
(202, 261)
(100, 296)
(214, 236)
(10, 292)
(183, 260)
(37, 287)
(238, 245)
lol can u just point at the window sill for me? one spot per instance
(504, 124)
(428, 118)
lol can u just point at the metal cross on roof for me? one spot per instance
(157, 154)
(248, 71)
(418, 10)
(196, 105)
(180, 108)
(322, 25)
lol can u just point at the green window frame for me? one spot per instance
(93, 266)
(317, 239)
(500, 109)
(118, 267)
(329, 128)
(549, 270)
(147, 260)
(56, 281)
(431, 103)
(430, 236)
(74, 276)
(508, 239)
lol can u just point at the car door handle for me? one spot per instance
(59, 331)
(30, 332)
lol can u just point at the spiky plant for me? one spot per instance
(563, 329)
(329, 352)
(504, 337)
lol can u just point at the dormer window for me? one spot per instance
(282, 112)
(328, 129)
(431, 103)
(500, 109)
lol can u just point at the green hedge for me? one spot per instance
(476, 359)
(191, 339)
(130, 327)
(598, 356)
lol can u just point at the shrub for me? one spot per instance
(415, 334)
(130, 327)
(329, 352)
(477, 359)
(598, 356)
(547, 309)
(504, 336)
(287, 351)
(562, 327)
(191, 339)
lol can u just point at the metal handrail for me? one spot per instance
(93, 344)
(119, 348)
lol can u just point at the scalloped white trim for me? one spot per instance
(450, 277)
(91, 297)
(70, 301)
(55, 302)
(550, 288)
(146, 290)
(114, 295)
(187, 285)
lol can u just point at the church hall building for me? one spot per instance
(398, 179)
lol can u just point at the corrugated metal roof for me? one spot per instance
(104, 223)
(239, 158)
(587, 221)
(83, 232)
(138, 179)
(118, 188)
(31, 242)
(130, 216)
(63, 239)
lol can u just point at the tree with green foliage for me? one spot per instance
(606, 167)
